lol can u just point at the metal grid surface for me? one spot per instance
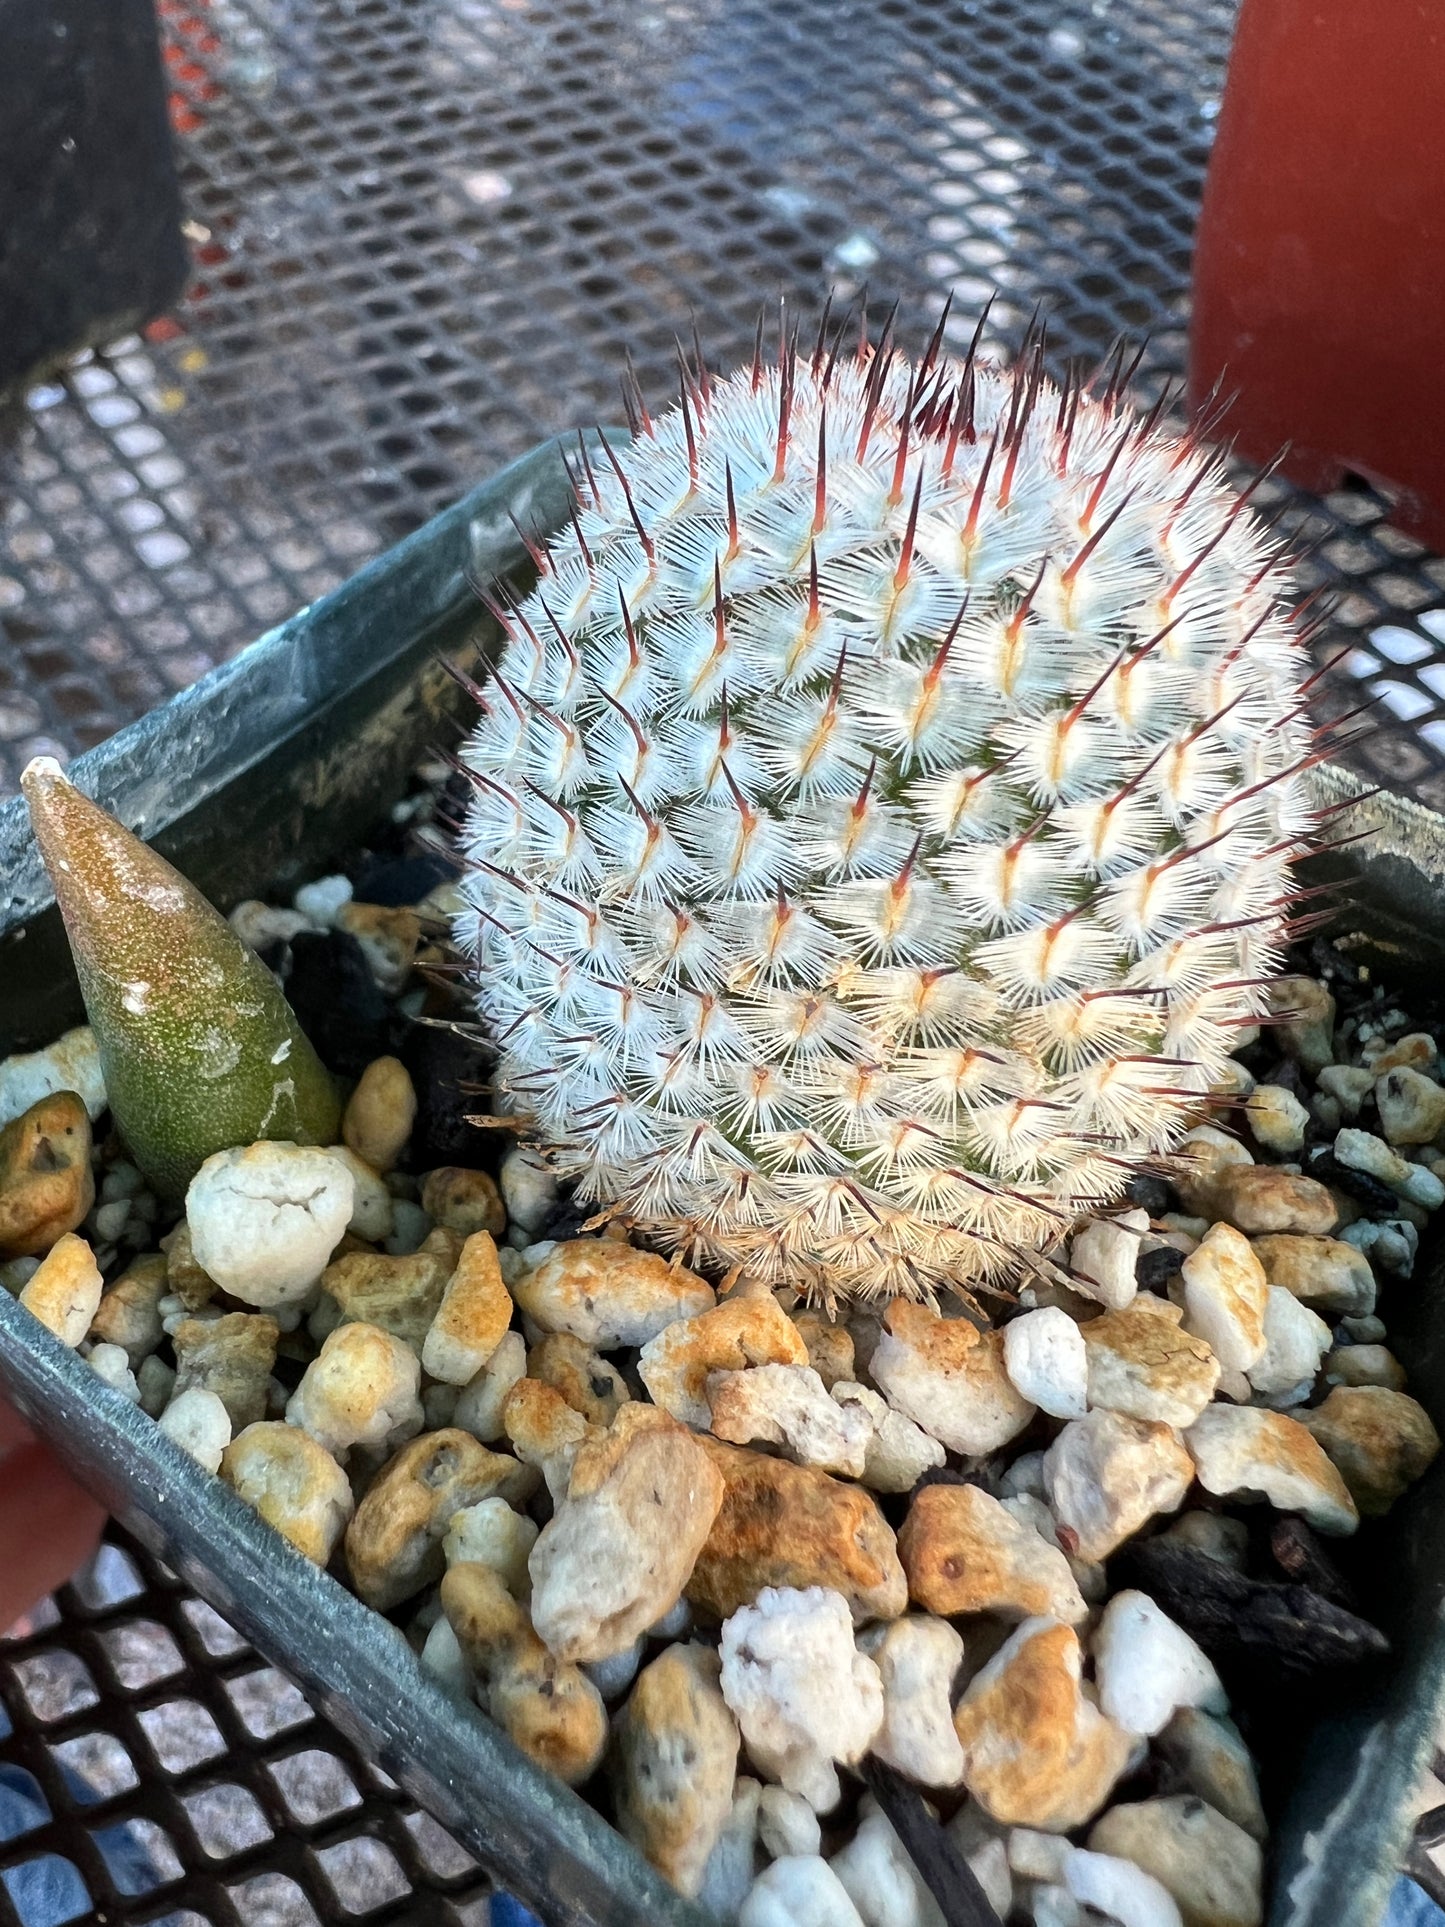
(424, 233)
(425, 230)
(187, 1782)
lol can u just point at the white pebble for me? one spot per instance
(1422, 1187)
(1044, 1355)
(71, 1063)
(612, 1676)
(1103, 1255)
(1119, 1890)
(799, 1688)
(1146, 1666)
(787, 1824)
(1295, 1340)
(111, 1219)
(409, 1226)
(492, 1534)
(321, 900)
(528, 1188)
(1276, 1117)
(880, 1879)
(800, 1890)
(264, 1220)
(199, 1423)
(112, 1363)
(918, 1658)
(156, 1381)
(443, 1658)
(1363, 1151)
(479, 1408)
(1348, 1085)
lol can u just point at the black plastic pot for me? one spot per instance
(278, 762)
(90, 210)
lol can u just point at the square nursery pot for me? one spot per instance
(281, 760)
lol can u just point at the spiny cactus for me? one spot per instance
(882, 812)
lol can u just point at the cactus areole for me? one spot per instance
(881, 814)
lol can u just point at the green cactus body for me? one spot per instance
(199, 1047)
(883, 813)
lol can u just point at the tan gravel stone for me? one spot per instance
(545, 1705)
(1308, 1031)
(676, 1754)
(394, 1544)
(1142, 1364)
(1242, 1452)
(1326, 1274)
(401, 1295)
(949, 1377)
(830, 1347)
(1225, 1294)
(463, 1200)
(610, 1294)
(46, 1184)
(545, 1432)
(789, 1525)
(128, 1314)
(473, 1316)
(1266, 1198)
(64, 1291)
(389, 937)
(1202, 1158)
(583, 1377)
(964, 1552)
(1037, 1751)
(1411, 1107)
(674, 1366)
(294, 1483)
(788, 1406)
(1213, 1869)
(621, 1546)
(360, 1389)
(380, 1113)
(1379, 1440)
(233, 1357)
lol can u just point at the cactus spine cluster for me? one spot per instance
(881, 813)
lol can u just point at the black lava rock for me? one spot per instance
(1154, 1269)
(1375, 1196)
(1150, 1194)
(399, 881)
(337, 1002)
(1291, 1628)
(938, 1858)
(1296, 1549)
(452, 1073)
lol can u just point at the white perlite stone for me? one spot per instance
(789, 1406)
(798, 1891)
(729, 1871)
(898, 1451)
(1107, 1474)
(1295, 1340)
(1119, 1890)
(918, 1660)
(1276, 1117)
(443, 1658)
(1145, 1666)
(112, 1364)
(528, 1188)
(880, 1879)
(1103, 1255)
(492, 1534)
(323, 899)
(1348, 1085)
(1044, 1355)
(200, 1424)
(1224, 1297)
(479, 1408)
(264, 1220)
(362, 1388)
(787, 1824)
(802, 1693)
(1363, 1151)
(71, 1063)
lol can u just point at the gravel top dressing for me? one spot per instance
(876, 1617)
